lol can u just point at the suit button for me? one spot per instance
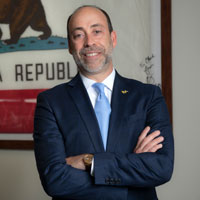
(112, 181)
(118, 181)
(107, 180)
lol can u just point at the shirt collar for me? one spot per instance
(108, 82)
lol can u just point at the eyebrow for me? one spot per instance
(97, 25)
(92, 26)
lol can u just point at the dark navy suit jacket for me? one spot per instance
(65, 125)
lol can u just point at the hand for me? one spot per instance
(148, 143)
(76, 161)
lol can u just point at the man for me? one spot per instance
(78, 157)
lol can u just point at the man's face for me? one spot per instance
(91, 43)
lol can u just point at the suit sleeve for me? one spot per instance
(59, 179)
(145, 169)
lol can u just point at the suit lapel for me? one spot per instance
(82, 101)
(119, 102)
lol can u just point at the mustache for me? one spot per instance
(91, 48)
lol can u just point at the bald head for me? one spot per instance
(109, 23)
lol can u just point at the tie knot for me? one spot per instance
(99, 87)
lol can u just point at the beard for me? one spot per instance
(86, 67)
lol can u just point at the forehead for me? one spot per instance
(87, 16)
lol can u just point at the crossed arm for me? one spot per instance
(146, 143)
(148, 165)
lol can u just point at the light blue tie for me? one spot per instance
(102, 111)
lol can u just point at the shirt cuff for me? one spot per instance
(92, 168)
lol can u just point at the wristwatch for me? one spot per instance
(87, 160)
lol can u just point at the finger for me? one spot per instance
(156, 148)
(149, 138)
(144, 133)
(153, 143)
(68, 160)
(142, 136)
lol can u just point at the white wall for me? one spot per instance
(19, 179)
(185, 183)
(18, 176)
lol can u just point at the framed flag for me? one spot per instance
(34, 54)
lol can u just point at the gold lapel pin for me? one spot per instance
(124, 91)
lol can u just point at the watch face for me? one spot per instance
(88, 159)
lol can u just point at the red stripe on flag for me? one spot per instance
(17, 110)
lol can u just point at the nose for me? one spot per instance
(88, 41)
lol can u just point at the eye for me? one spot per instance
(97, 32)
(78, 36)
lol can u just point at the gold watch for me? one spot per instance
(87, 159)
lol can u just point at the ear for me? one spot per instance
(114, 38)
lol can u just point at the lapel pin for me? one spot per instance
(124, 91)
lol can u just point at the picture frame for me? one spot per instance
(166, 74)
